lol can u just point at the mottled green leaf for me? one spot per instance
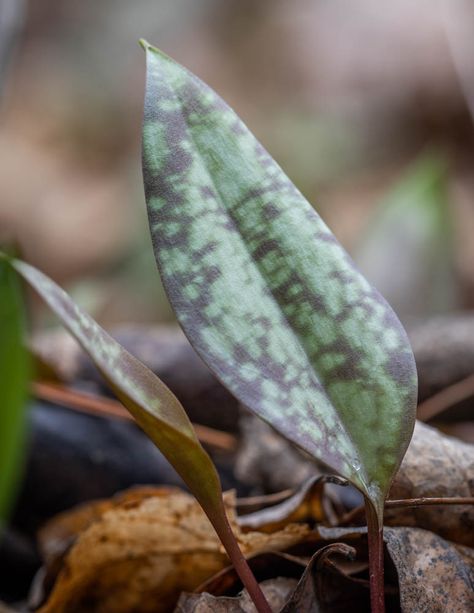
(151, 403)
(411, 235)
(263, 290)
(14, 375)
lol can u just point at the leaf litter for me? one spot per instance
(138, 552)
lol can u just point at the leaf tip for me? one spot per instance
(144, 44)
(148, 47)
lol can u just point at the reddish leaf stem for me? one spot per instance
(241, 567)
(376, 574)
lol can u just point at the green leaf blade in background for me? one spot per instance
(264, 292)
(14, 382)
(411, 234)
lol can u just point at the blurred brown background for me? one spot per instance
(348, 97)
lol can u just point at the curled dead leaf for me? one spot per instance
(314, 590)
(424, 572)
(294, 585)
(307, 502)
(139, 552)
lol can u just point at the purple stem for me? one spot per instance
(375, 540)
(240, 564)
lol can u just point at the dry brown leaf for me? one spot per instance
(434, 576)
(315, 593)
(142, 551)
(57, 535)
(277, 592)
(436, 466)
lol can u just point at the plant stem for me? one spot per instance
(375, 540)
(242, 568)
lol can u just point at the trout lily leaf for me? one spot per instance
(263, 290)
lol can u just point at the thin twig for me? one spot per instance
(352, 516)
(448, 397)
(106, 407)
(265, 500)
(422, 502)
(358, 512)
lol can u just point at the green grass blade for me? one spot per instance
(411, 235)
(14, 380)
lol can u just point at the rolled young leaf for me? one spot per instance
(14, 382)
(152, 404)
(154, 407)
(263, 290)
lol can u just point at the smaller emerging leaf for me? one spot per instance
(152, 404)
(156, 410)
(14, 373)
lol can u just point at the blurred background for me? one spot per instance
(369, 111)
(368, 107)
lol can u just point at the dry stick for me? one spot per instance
(421, 502)
(264, 499)
(446, 398)
(98, 405)
(408, 503)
